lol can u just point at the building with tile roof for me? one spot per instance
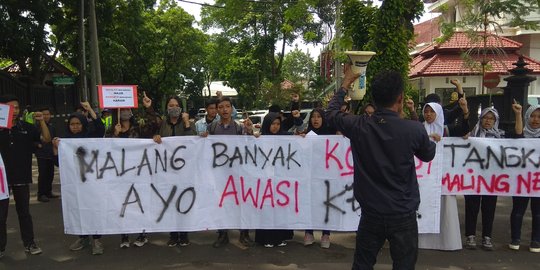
(434, 65)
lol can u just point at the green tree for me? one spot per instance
(155, 47)
(391, 34)
(357, 18)
(22, 24)
(260, 30)
(387, 30)
(298, 66)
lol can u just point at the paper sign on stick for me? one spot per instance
(6, 116)
(117, 96)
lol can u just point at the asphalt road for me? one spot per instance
(48, 227)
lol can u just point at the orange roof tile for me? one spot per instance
(449, 64)
(445, 58)
(460, 41)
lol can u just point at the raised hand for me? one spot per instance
(409, 103)
(147, 102)
(185, 118)
(349, 77)
(38, 116)
(248, 124)
(86, 106)
(516, 107)
(463, 104)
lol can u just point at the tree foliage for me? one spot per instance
(22, 24)
(155, 47)
(258, 32)
(141, 42)
(298, 66)
(387, 31)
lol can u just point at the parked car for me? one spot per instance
(534, 99)
(201, 113)
(257, 118)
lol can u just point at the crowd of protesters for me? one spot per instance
(36, 135)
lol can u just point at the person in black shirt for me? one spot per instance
(385, 183)
(16, 146)
(45, 156)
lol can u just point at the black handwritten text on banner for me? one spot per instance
(112, 186)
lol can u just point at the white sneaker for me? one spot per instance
(308, 239)
(97, 247)
(141, 241)
(470, 242)
(325, 241)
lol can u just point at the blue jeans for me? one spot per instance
(519, 207)
(401, 230)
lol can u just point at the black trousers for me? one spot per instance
(22, 204)
(519, 207)
(400, 230)
(473, 203)
(46, 176)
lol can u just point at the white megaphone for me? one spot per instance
(359, 62)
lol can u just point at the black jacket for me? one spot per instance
(383, 149)
(17, 146)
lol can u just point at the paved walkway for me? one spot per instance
(48, 226)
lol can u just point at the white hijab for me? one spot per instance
(528, 131)
(493, 132)
(438, 124)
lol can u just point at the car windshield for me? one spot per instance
(534, 100)
(255, 119)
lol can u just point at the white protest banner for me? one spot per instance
(6, 116)
(112, 186)
(4, 190)
(503, 167)
(118, 96)
(429, 175)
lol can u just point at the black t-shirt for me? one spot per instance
(16, 146)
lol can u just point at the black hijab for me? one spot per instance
(84, 122)
(324, 129)
(267, 122)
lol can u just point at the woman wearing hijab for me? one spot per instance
(270, 238)
(519, 204)
(79, 127)
(318, 125)
(449, 236)
(487, 127)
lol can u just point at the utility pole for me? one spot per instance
(94, 52)
(337, 65)
(82, 55)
